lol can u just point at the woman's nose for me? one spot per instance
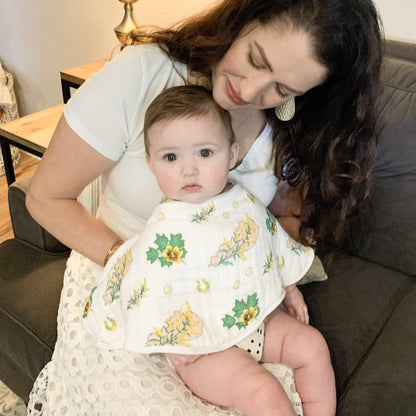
(252, 90)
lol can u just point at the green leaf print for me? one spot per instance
(161, 242)
(176, 240)
(244, 312)
(168, 251)
(252, 301)
(239, 307)
(271, 223)
(152, 255)
(228, 321)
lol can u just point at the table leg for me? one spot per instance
(8, 162)
(66, 90)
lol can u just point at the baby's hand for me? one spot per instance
(295, 304)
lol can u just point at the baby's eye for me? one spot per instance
(205, 152)
(170, 157)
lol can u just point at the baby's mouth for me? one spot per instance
(192, 187)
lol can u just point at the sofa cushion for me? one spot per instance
(31, 282)
(384, 231)
(385, 383)
(351, 308)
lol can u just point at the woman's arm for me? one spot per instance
(67, 167)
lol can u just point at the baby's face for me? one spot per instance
(190, 157)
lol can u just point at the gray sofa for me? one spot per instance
(366, 309)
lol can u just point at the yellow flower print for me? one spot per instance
(271, 223)
(244, 312)
(173, 254)
(268, 263)
(168, 251)
(89, 303)
(116, 276)
(297, 247)
(248, 315)
(244, 238)
(138, 295)
(204, 214)
(179, 329)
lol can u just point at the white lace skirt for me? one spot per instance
(82, 379)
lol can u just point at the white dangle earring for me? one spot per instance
(286, 111)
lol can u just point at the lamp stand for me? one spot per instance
(127, 24)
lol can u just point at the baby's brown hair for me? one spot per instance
(183, 102)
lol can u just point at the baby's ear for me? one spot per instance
(149, 162)
(233, 154)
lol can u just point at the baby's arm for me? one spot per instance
(295, 304)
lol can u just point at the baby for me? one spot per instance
(203, 281)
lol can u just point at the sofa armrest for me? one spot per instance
(24, 226)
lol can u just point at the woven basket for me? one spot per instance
(9, 113)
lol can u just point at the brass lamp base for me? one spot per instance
(127, 24)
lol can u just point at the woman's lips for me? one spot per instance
(232, 95)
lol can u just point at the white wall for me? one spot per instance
(398, 18)
(39, 38)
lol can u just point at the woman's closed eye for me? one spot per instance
(258, 66)
(280, 92)
(253, 63)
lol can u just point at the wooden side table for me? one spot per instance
(31, 133)
(75, 77)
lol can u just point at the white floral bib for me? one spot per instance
(198, 279)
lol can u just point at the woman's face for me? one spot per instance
(264, 67)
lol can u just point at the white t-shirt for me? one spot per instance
(108, 113)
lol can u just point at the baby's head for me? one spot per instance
(189, 143)
(185, 101)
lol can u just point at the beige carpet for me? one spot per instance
(10, 404)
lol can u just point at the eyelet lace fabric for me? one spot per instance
(82, 379)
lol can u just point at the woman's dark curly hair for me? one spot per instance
(328, 148)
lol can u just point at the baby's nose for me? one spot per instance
(189, 169)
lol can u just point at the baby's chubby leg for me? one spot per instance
(304, 349)
(232, 378)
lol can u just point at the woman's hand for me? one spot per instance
(295, 304)
(286, 206)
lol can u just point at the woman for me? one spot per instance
(255, 55)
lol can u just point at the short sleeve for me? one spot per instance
(103, 110)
